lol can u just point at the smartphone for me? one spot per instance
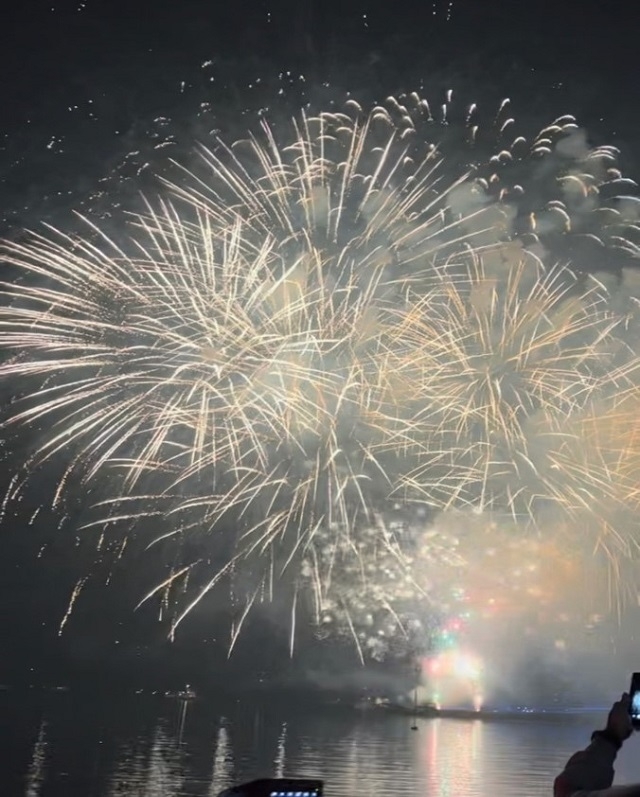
(276, 787)
(634, 700)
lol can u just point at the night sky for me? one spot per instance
(80, 78)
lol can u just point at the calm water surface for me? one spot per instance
(71, 745)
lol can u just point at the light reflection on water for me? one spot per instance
(162, 748)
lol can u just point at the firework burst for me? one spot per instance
(307, 331)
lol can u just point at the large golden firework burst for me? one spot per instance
(310, 329)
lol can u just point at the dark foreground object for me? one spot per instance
(276, 787)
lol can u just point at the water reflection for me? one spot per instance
(281, 753)
(452, 757)
(164, 748)
(222, 774)
(37, 766)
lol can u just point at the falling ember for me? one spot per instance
(74, 596)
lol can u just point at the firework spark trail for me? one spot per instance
(306, 330)
(514, 352)
(74, 597)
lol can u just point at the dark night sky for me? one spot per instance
(48, 43)
(136, 52)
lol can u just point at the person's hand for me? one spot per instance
(619, 721)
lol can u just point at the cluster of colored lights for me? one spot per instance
(457, 664)
(451, 670)
(508, 578)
